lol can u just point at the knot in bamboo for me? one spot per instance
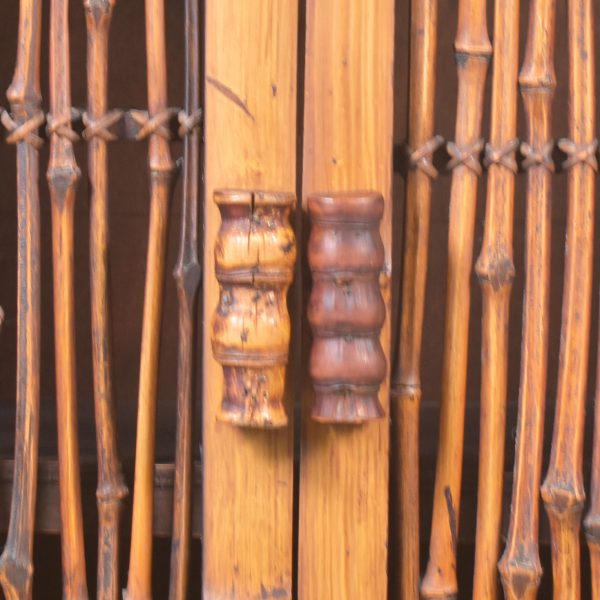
(422, 157)
(255, 253)
(579, 153)
(467, 155)
(502, 155)
(539, 156)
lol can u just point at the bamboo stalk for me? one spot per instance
(495, 271)
(187, 276)
(111, 488)
(63, 176)
(407, 383)
(562, 491)
(16, 562)
(520, 567)
(473, 50)
(139, 585)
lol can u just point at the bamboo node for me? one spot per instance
(421, 158)
(534, 157)
(189, 122)
(502, 155)
(153, 125)
(100, 127)
(579, 153)
(467, 155)
(61, 126)
(25, 131)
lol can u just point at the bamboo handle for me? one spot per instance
(255, 255)
(346, 309)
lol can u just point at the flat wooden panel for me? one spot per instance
(250, 111)
(347, 145)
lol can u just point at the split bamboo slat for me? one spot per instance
(24, 95)
(562, 491)
(161, 166)
(495, 271)
(250, 141)
(63, 177)
(347, 147)
(187, 278)
(520, 567)
(406, 391)
(111, 489)
(473, 50)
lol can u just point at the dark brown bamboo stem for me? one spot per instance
(187, 276)
(139, 585)
(16, 562)
(563, 491)
(63, 176)
(111, 488)
(495, 271)
(407, 386)
(473, 50)
(520, 567)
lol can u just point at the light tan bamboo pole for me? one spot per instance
(520, 567)
(407, 382)
(187, 277)
(495, 271)
(63, 176)
(473, 50)
(562, 490)
(139, 583)
(16, 562)
(111, 488)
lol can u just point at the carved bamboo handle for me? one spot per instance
(16, 562)
(473, 50)
(346, 309)
(255, 254)
(520, 567)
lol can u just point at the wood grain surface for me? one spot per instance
(343, 528)
(250, 143)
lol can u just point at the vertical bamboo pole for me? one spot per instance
(63, 176)
(250, 141)
(139, 583)
(520, 567)
(16, 562)
(495, 271)
(472, 47)
(407, 382)
(562, 490)
(111, 488)
(347, 146)
(187, 278)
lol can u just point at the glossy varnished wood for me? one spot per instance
(520, 567)
(139, 583)
(111, 488)
(343, 528)
(473, 49)
(406, 393)
(250, 143)
(16, 562)
(63, 176)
